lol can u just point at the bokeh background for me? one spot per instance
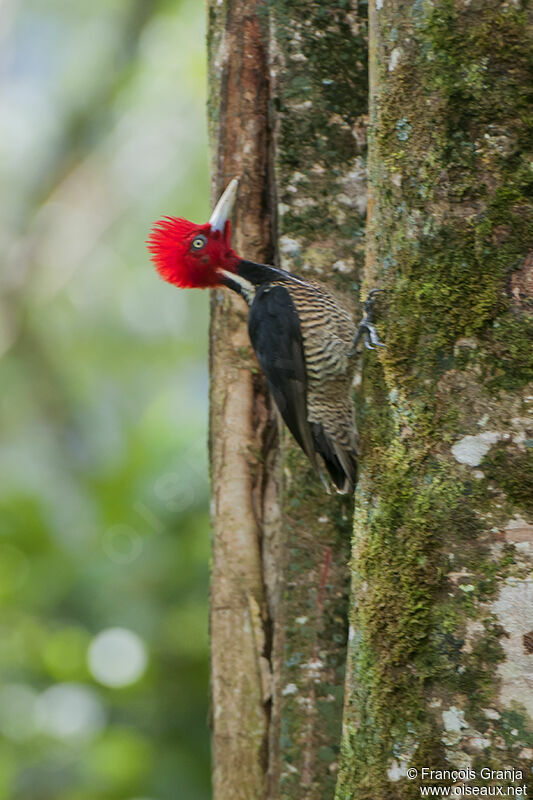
(104, 533)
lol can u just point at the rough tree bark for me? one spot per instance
(288, 94)
(441, 654)
(319, 100)
(240, 679)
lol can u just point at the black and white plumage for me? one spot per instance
(304, 340)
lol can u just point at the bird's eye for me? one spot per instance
(198, 242)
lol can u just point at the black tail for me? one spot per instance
(340, 462)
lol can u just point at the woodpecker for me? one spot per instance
(304, 340)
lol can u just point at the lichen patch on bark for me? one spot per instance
(514, 611)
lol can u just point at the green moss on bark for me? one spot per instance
(320, 101)
(512, 471)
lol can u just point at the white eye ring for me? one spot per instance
(198, 242)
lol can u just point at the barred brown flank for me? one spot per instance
(300, 324)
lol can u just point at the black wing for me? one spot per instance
(276, 337)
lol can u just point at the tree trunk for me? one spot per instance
(240, 670)
(319, 96)
(288, 93)
(440, 663)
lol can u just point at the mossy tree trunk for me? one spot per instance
(440, 661)
(288, 93)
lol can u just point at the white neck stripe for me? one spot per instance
(247, 286)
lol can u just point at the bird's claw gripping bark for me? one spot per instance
(366, 327)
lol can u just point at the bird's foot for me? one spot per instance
(366, 329)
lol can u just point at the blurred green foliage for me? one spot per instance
(103, 468)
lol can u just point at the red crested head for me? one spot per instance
(191, 256)
(194, 256)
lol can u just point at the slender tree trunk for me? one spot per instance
(440, 663)
(288, 96)
(319, 100)
(240, 668)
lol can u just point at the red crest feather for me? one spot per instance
(167, 245)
